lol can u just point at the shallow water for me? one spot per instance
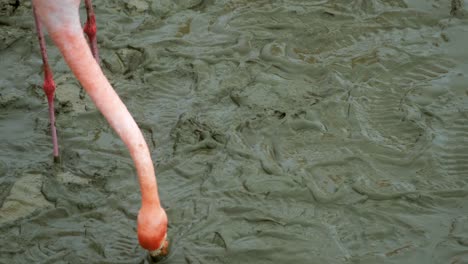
(290, 131)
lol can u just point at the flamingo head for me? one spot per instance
(152, 231)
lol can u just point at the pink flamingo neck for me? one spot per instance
(62, 23)
(78, 56)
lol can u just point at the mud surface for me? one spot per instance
(291, 131)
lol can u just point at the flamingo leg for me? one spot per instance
(90, 29)
(48, 86)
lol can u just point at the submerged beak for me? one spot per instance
(160, 253)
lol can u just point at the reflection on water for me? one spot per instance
(284, 131)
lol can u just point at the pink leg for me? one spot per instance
(49, 85)
(90, 29)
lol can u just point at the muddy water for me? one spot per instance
(291, 131)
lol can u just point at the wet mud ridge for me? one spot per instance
(290, 131)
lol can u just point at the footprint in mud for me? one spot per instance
(450, 148)
(25, 197)
(191, 134)
(444, 103)
(387, 116)
(452, 247)
(125, 61)
(287, 58)
(330, 181)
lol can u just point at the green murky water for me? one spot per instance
(289, 131)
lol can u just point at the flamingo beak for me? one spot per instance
(160, 253)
